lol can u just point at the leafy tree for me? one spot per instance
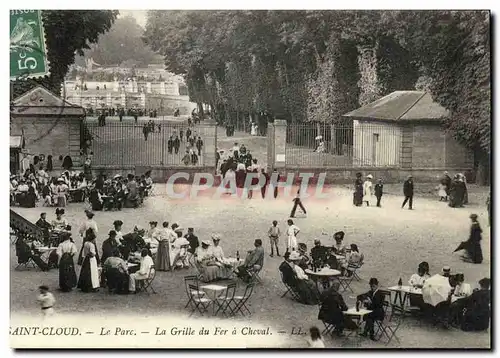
(122, 43)
(67, 32)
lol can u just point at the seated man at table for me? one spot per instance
(477, 311)
(146, 267)
(43, 224)
(332, 308)
(306, 288)
(318, 254)
(373, 300)
(253, 262)
(115, 271)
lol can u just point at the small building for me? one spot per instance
(44, 124)
(404, 130)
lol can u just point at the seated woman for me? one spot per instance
(115, 271)
(331, 259)
(225, 269)
(304, 259)
(180, 250)
(417, 280)
(206, 262)
(457, 302)
(319, 254)
(339, 248)
(306, 288)
(476, 314)
(95, 199)
(59, 223)
(353, 258)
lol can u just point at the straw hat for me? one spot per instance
(369, 176)
(60, 179)
(294, 256)
(216, 237)
(206, 242)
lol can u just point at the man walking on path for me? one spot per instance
(297, 202)
(408, 192)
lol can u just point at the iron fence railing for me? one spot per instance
(138, 144)
(354, 145)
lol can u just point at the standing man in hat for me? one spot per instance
(408, 192)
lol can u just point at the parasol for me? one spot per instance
(436, 290)
(462, 246)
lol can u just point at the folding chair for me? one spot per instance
(254, 273)
(146, 285)
(200, 304)
(345, 282)
(29, 263)
(224, 302)
(329, 328)
(389, 325)
(353, 268)
(240, 301)
(192, 280)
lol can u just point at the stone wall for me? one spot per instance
(49, 136)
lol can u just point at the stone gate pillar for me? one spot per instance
(279, 139)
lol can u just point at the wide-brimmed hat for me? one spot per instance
(339, 235)
(177, 229)
(117, 222)
(60, 179)
(215, 237)
(369, 176)
(206, 243)
(117, 176)
(446, 269)
(294, 256)
(473, 216)
(89, 214)
(59, 211)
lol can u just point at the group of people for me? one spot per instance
(454, 191)
(365, 190)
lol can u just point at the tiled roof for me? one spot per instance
(401, 106)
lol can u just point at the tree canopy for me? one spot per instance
(67, 32)
(318, 65)
(121, 45)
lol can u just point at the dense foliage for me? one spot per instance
(66, 32)
(121, 46)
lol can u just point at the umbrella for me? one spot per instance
(436, 290)
(319, 137)
(462, 246)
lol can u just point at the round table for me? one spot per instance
(322, 275)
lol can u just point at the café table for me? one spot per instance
(234, 265)
(213, 292)
(45, 252)
(356, 315)
(132, 267)
(323, 275)
(402, 297)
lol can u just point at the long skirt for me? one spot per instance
(475, 252)
(358, 196)
(291, 243)
(61, 201)
(89, 275)
(117, 280)
(162, 262)
(67, 274)
(208, 273)
(308, 292)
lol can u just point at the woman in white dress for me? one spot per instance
(291, 233)
(367, 189)
(118, 229)
(89, 274)
(62, 191)
(225, 268)
(253, 129)
(153, 237)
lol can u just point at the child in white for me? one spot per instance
(46, 301)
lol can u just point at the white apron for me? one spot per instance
(94, 273)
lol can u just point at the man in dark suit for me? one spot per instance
(193, 240)
(408, 192)
(318, 254)
(332, 308)
(372, 300)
